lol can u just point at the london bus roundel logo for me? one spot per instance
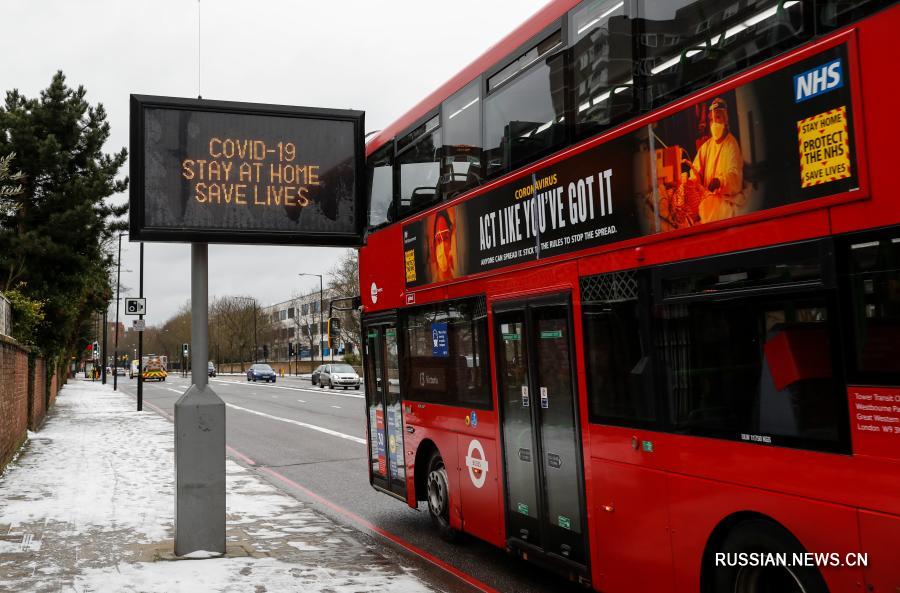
(374, 290)
(477, 463)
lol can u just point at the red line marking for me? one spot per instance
(240, 455)
(361, 522)
(358, 520)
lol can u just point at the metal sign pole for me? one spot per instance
(199, 435)
(140, 356)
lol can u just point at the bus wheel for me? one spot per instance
(438, 496)
(764, 537)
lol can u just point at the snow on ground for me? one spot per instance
(88, 507)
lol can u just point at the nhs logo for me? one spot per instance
(820, 79)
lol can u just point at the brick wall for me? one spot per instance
(26, 394)
(37, 397)
(13, 398)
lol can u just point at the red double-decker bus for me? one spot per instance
(632, 296)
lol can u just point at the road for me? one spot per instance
(316, 439)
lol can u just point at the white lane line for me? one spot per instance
(338, 407)
(302, 401)
(178, 391)
(321, 429)
(303, 389)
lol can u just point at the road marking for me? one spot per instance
(175, 390)
(302, 401)
(303, 389)
(338, 407)
(321, 429)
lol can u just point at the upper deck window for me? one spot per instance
(525, 107)
(379, 169)
(602, 65)
(461, 166)
(419, 159)
(688, 44)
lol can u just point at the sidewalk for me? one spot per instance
(88, 507)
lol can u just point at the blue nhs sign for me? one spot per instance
(820, 79)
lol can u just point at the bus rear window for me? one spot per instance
(446, 359)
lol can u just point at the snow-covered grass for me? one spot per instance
(88, 507)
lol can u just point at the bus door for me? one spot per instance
(545, 513)
(384, 408)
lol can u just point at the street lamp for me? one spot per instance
(118, 285)
(321, 296)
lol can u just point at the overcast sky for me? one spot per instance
(378, 56)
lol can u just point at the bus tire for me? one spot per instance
(761, 536)
(437, 494)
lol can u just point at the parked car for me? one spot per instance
(314, 378)
(261, 372)
(339, 375)
(211, 369)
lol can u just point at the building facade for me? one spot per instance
(300, 325)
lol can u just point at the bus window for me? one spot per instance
(602, 68)
(381, 185)
(418, 156)
(687, 44)
(461, 121)
(525, 108)
(831, 14)
(756, 369)
(875, 300)
(445, 359)
(620, 389)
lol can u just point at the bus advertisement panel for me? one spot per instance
(784, 138)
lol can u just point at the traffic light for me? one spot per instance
(334, 331)
(290, 349)
(265, 351)
(184, 349)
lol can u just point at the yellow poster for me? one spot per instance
(824, 147)
(411, 265)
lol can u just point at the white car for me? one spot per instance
(339, 374)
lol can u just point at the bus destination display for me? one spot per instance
(237, 173)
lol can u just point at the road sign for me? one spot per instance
(224, 172)
(138, 325)
(135, 306)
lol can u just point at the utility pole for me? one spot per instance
(115, 369)
(103, 354)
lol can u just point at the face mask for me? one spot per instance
(717, 129)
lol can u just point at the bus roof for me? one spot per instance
(521, 34)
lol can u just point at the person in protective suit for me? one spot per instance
(443, 248)
(719, 168)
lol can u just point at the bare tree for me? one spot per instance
(344, 283)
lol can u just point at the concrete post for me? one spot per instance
(199, 436)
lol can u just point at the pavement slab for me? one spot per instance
(88, 506)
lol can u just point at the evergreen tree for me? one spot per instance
(55, 234)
